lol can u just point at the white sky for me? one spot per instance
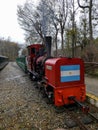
(9, 26)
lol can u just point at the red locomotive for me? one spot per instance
(62, 78)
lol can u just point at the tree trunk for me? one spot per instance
(90, 22)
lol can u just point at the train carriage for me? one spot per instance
(3, 61)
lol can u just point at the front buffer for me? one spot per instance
(66, 77)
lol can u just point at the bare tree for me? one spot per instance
(73, 8)
(54, 24)
(90, 48)
(89, 7)
(62, 19)
(30, 21)
(35, 21)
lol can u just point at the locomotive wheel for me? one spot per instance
(30, 75)
(50, 95)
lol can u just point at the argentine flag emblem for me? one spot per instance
(70, 73)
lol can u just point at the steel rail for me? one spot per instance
(93, 116)
(78, 121)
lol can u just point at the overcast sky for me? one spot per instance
(9, 26)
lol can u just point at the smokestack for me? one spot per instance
(48, 41)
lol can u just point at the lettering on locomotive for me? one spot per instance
(49, 67)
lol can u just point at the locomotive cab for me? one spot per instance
(32, 53)
(37, 55)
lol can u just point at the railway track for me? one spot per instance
(93, 116)
(82, 121)
(76, 118)
(77, 121)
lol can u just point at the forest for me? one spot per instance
(9, 49)
(73, 25)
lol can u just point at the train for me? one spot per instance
(21, 61)
(61, 78)
(3, 61)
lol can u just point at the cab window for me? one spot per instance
(33, 50)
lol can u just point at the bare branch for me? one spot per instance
(83, 7)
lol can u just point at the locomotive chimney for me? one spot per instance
(48, 41)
